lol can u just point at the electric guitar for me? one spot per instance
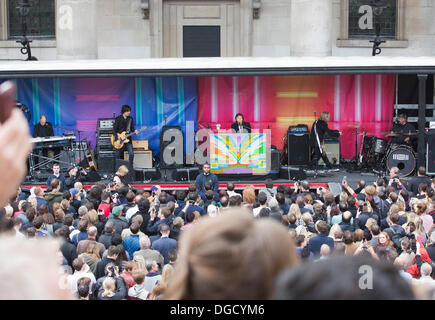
(123, 138)
(90, 157)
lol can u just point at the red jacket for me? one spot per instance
(413, 270)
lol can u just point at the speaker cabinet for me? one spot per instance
(332, 149)
(106, 164)
(430, 152)
(142, 159)
(131, 173)
(298, 149)
(275, 159)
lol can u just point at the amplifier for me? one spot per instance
(142, 159)
(140, 145)
(332, 149)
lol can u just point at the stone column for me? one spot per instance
(311, 28)
(76, 29)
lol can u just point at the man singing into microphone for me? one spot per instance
(240, 126)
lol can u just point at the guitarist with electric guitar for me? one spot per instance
(123, 130)
(317, 136)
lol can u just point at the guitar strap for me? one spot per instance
(317, 137)
(128, 126)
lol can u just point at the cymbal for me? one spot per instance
(398, 134)
(353, 125)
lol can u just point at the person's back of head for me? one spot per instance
(426, 269)
(83, 289)
(264, 213)
(235, 201)
(135, 228)
(130, 196)
(109, 286)
(192, 187)
(421, 171)
(269, 183)
(273, 204)
(164, 229)
(394, 217)
(322, 227)
(262, 198)
(300, 240)
(190, 216)
(342, 206)
(113, 251)
(325, 250)
(144, 242)
(375, 230)
(307, 218)
(292, 218)
(393, 197)
(348, 237)
(220, 244)
(208, 185)
(92, 232)
(78, 264)
(300, 201)
(347, 216)
(361, 184)
(341, 278)
(224, 201)
(209, 195)
(230, 186)
(193, 196)
(138, 276)
(62, 232)
(172, 255)
(38, 222)
(280, 197)
(305, 186)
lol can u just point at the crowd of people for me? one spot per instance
(375, 241)
(206, 243)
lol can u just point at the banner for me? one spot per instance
(77, 103)
(276, 102)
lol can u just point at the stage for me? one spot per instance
(323, 179)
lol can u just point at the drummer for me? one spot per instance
(402, 126)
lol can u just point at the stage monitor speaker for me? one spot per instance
(298, 149)
(106, 164)
(150, 174)
(142, 159)
(185, 174)
(171, 147)
(430, 152)
(131, 173)
(289, 173)
(275, 159)
(93, 176)
(332, 149)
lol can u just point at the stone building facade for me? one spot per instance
(131, 29)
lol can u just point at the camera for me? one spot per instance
(191, 202)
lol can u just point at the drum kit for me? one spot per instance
(377, 154)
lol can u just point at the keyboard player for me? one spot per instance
(43, 129)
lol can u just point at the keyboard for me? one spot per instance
(52, 139)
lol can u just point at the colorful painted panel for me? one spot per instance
(239, 153)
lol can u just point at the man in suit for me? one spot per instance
(240, 126)
(164, 244)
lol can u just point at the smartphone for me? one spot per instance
(7, 100)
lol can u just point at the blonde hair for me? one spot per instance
(418, 222)
(249, 194)
(370, 222)
(109, 286)
(294, 209)
(122, 170)
(335, 229)
(140, 262)
(215, 245)
(324, 116)
(167, 274)
(93, 216)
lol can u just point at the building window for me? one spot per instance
(40, 19)
(366, 15)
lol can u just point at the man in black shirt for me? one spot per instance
(402, 126)
(318, 132)
(43, 129)
(125, 123)
(240, 126)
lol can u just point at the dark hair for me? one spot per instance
(62, 232)
(347, 237)
(239, 114)
(422, 171)
(193, 196)
(209, 195)
(208, 185)
(262, 198)
(105, 195)
(38, 222)
(130, 196)
(192, 187)
(82, 226)
(235, 201)
(375, 229)
(230, 186)
(134, 228)
(164, 227)
(269, 183)
(299, 240)
(30, 213)
(172, 255)
(143, 205)
(394, 217)
(83, 289)
(54, 183)
(224, 201)
(112, 250)
(312, 281)
(264, 213)
(125, 108)
(342, 206)
(66, 195)
(116, 239)
(68, 220)
(280, 197)
(190, 216)
(322, 226)
(181, 195)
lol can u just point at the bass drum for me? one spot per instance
(402, 157)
